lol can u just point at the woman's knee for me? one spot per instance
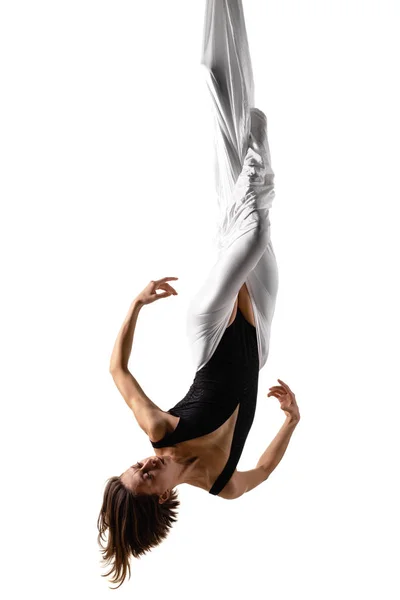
(259, 235)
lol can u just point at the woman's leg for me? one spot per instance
(262, 284)
(229, 77)
(212, 305)
(244, 186)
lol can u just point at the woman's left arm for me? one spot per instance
(147, 413)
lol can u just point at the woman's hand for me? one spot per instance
(149, 295)
(287, 399)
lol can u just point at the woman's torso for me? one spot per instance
(223, 393)
(210, 452)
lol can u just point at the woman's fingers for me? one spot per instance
(286, 398)
(280, 391)
(278, 394)
(168, 288)
(277, 389)
(149, 294)
(158, 281)
(285, 385)
(161, 284)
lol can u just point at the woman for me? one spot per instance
(199, 441)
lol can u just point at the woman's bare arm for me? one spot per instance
(244, 481)
(123, 344)
(148, 415)
(273, 455)
(146, 412)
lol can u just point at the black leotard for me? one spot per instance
(229, 378)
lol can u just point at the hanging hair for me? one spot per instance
(135, 522)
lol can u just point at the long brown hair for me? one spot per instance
(135, 522)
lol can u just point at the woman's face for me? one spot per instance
(151, 475)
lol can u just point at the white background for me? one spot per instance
(106, 159)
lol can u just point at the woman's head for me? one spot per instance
(137, 514)
(153, 475)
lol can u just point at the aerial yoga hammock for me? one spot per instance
(245, 190)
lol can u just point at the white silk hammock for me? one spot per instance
(245, 188)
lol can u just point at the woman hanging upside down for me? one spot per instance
(199, 441)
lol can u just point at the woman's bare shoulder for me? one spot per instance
(165, 423)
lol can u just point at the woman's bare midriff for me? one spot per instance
(210, 452)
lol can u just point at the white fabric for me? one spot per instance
(245, 186)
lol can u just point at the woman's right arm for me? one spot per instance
(148, 415)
